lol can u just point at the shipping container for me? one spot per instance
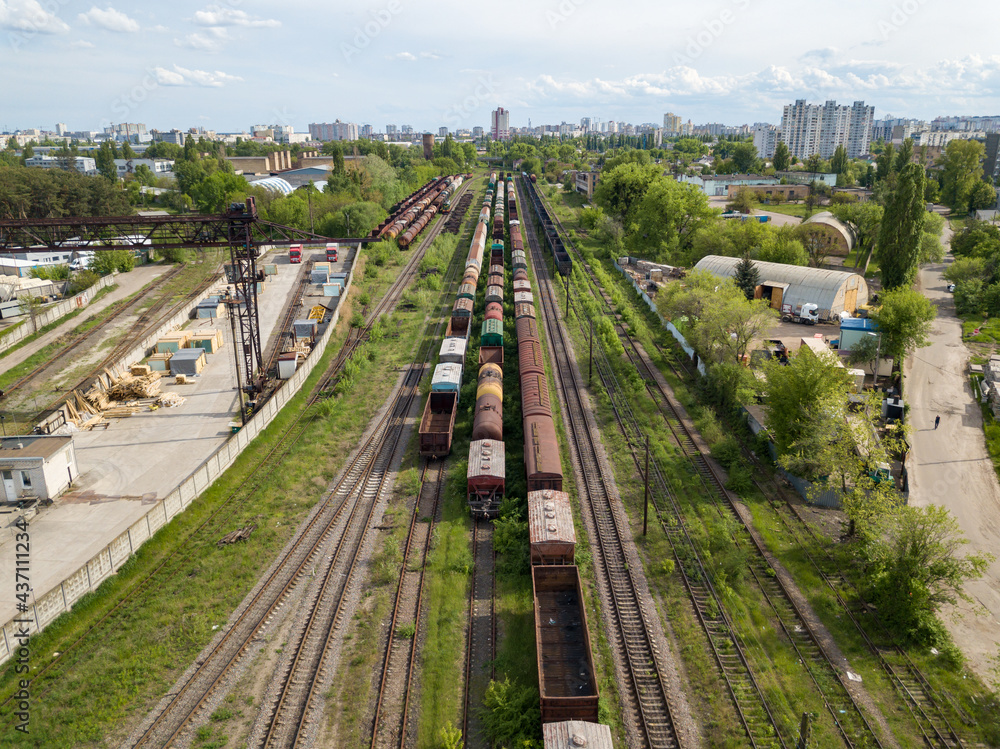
(288, 363)
(188, 361)
(567, 683)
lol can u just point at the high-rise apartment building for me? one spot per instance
(810, 129)
(765, 140)
(672, 125)
(324, 131)
(500, 124)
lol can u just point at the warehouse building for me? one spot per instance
(824, 227)
(787, 286)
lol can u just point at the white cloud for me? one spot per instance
(28, 15)
(430, 56)
(404, 56)
(184, 77)
(216, 15)
(110, 19)
(81, 44)
(212, 41)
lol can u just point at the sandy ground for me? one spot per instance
(951, 467)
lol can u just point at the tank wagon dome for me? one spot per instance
(833, 291)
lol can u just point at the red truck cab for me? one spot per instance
(295, 254)
(332, 251)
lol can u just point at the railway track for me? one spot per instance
(480, 647)
(333, 525)
(239, 498)
(285, 325)
(391, 724)
(829, 681)
(642, 688)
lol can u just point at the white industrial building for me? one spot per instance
(36, 467)
(787, 286)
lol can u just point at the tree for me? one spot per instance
(106, 162)
(838, 163)
(746, 276)
(816, 242)
(915, 568)
(864, 219)
(745, 159)
(904, 319)
(976, 239)
(885, 163)
(622, 189)
(743, 201)
(667, 217)
(899, 235)
(904, 156)
(982, 196)
(109, 261)
(31, 306)
(961, 171)
(781, 156)
(144, 175)
(127, 152)
(804, 401)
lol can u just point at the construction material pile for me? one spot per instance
(115, 394)
(238, 535)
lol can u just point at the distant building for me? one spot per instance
(672, 125)
(82, 164)
(810, 129)
(765, 140)
(586, 182)
(175, 136)
(807, 178)
(60, 128)
(326, 131)
(500, 124)
(718, 185)
(156, 166)
(367, 131)
(991, 166)
(478, 132)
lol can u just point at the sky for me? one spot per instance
(239, 63)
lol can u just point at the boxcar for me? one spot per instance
(438, 424)
(524, 309)
(492, 333)
(486, 476)
(452, 351)
(523, 296)
(541, 454)
(566, 680)
(550, 528)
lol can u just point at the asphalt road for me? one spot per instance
(951, 467)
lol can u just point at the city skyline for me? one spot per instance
(195, 63)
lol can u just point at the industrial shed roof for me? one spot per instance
(817, 285)
(828, 219)
(275, 184)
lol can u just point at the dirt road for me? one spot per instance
(951, 467)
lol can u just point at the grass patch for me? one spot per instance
(52, 325)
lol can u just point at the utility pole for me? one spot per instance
(645, 503)
(805, 730)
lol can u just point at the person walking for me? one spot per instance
(937, 420)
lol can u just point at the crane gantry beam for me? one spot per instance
(239, 229)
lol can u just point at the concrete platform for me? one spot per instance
(138, 460)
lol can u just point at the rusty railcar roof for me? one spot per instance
(550, 518)
(487, 458)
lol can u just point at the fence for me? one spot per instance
(54, 312)
(61, 598)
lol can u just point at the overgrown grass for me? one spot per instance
(988, 330)
(52, 325)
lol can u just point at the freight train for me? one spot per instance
(564, 263)
(416, 212)
(437, 425)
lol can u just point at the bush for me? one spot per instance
(175, 254)
(511, 715)
(82, 281)
(51, 272)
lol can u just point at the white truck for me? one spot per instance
(807, 313)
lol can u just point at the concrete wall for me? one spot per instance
(106, 562)
(54, 312)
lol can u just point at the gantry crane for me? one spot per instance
(239, 229)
